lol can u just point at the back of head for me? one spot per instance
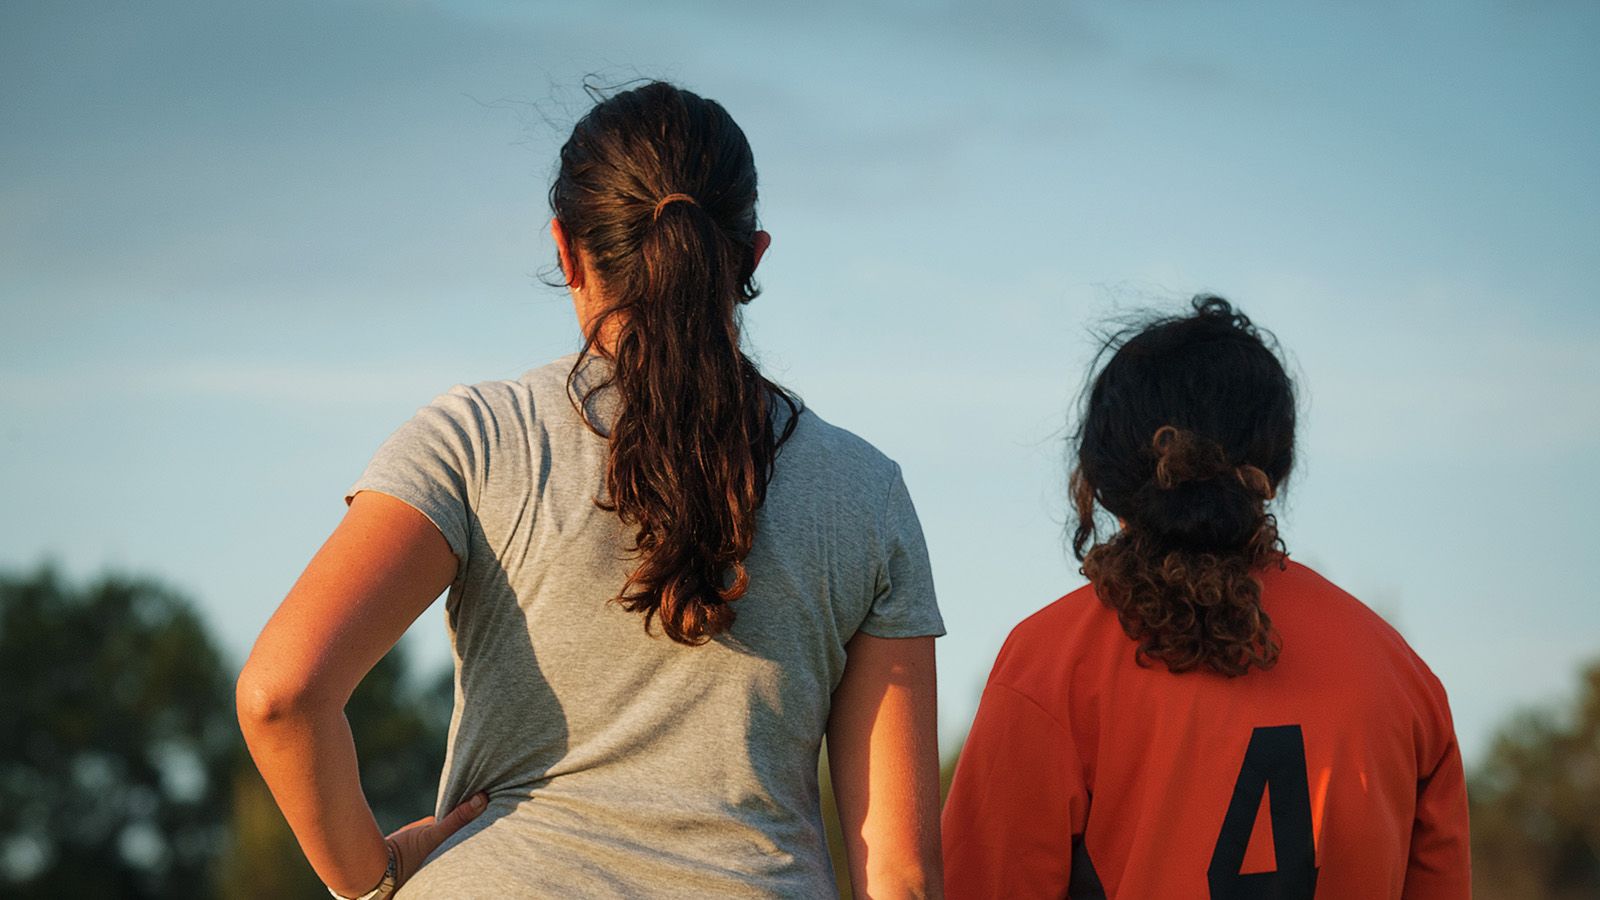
(1187, 432)
(657, 190)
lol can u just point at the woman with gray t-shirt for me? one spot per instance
(668, 580)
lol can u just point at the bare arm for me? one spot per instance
(382, 566)
(883, 755)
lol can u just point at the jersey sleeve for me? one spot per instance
(435, 463)
(1440, 865)
(903, 603)
(1018, 804)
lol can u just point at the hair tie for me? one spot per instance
(1256, 481)
(671, 198)
(1183, 455)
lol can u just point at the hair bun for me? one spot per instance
(1183, 455)
(1197, 498)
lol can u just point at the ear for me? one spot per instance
(760, 242)
(573, 273)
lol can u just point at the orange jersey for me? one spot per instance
(1334, 774)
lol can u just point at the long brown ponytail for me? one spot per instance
(657, 189)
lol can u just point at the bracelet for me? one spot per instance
(386, 884)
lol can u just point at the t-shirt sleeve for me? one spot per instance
(1013, 823)
(903, 603)
(1440, 867)
(435, 463)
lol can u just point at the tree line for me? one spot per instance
(122, 772)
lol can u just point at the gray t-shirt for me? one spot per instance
(620, 763)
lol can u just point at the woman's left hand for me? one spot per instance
(413, 843)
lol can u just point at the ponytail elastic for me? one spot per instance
(670, 198)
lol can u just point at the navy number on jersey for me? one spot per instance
(1275, 764)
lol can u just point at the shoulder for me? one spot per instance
(1302, 592)
(1064, 633)
(833, 453)
(484, 414)
(553, 377)
(509, 399)
(1342, 622)
(1356, 646)
(1068, 615)
(828, 480)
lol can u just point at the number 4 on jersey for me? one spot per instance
(1274, 764)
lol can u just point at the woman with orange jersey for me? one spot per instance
(1206, 718)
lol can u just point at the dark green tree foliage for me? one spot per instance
(122, 772)
(117, 740)
(1536, 805)
(400, 731)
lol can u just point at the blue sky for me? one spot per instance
(239, 244)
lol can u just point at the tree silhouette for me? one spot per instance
(1536, 804)
(122, 772)
(116, 740)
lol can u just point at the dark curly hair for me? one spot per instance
(657, 187)
(1187, 432)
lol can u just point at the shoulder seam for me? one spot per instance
(1035, 704)
(885, 527)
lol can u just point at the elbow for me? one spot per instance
(264, 702)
